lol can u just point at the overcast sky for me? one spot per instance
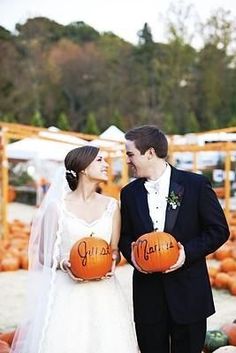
(123, 17)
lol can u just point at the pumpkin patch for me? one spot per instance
(13, 250)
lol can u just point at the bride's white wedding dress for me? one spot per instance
(87, 317)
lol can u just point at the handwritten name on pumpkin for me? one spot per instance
(144, 250)
(84, 252)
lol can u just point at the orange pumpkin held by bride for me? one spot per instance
(90, 258)
(156, 251)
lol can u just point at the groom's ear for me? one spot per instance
(150, 153)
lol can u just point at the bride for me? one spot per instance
(64, 314)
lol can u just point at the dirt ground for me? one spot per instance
(12, 290)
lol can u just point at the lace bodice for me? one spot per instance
(76, 228)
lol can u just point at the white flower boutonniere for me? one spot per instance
(173, 200)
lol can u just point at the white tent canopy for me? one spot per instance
(54, 145)
(115, 135)
(46, 149)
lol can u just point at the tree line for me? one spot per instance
(76, 78)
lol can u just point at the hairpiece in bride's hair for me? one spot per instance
(72, 172)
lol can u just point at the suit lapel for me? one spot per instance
(171, 214)
(142, 207)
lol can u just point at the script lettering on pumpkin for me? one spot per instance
(144, 250)
(84, 252)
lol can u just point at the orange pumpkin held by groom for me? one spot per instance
(90, 258)
(156, 251)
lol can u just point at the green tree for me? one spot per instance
(120, 90)
(91, 125)
(212, 88)
(51, 68)
(232, 121)
(8, 118)
(215, 77)
(218, 30)
(176, 69)
(63, 122)
(169, 125)
(192, 124)
(146, 52)
(117, 119)
(5, 34)
(40, 29)
(80, 32)
(145, 35)
(37, 119)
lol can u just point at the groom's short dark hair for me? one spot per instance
(147, 136)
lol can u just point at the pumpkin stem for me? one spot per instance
(91, 234)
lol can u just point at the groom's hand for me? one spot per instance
(180, 261)
(133, 260)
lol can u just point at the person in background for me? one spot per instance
(170, 308)
(42, 187)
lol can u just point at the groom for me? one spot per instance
(170, 309)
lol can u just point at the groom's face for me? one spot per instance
(138, 162)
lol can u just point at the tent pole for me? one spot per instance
(227, 184)
(4, 182)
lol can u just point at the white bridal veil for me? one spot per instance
(44, 254)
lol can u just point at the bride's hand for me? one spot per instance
(116, 256)
(65, 266)
(111, 273)
(115, 261)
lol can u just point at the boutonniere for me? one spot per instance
(173, 200)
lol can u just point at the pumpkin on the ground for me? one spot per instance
(228, 264)
(24, 260)
(223, 252)
(214, 339)
(10, 263)
(232, 286)
(7, 337)
(4, 347)
(212, 271)
(90, 258)
(230, 330)
(221, 280)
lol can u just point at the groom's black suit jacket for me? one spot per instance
(199, 224)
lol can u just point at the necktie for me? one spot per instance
(152, 186)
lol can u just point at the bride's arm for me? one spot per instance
(116, 224)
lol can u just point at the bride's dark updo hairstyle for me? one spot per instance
(76, 161)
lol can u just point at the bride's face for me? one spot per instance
(98, 169)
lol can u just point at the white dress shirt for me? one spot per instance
(158, 191)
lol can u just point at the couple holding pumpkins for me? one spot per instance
(68, 315)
